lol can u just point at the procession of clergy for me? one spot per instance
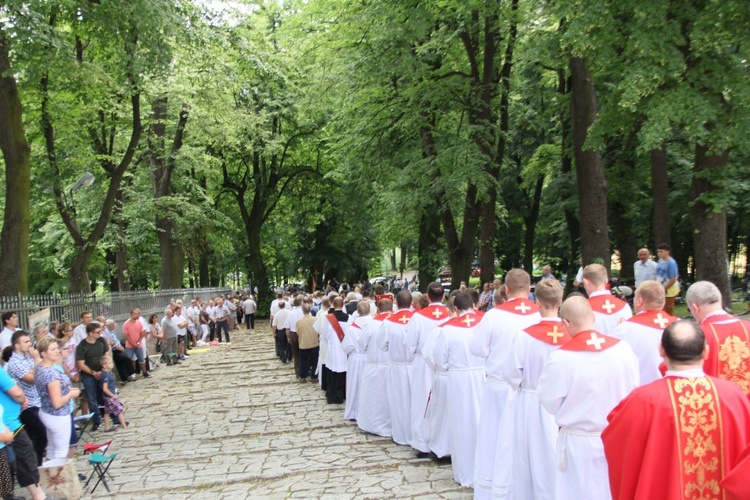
(576, 400)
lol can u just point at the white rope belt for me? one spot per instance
(564, 431)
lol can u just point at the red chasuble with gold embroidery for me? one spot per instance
(729, 349)
(676, 438)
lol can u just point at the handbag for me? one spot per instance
(59, 478)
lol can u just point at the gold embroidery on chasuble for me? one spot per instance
(698, 424)
(734, 359)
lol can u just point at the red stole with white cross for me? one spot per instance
(401, 317)
(468, 320)
(336, 326)
(524, 307)
(606, 304)
(549, 332)
(590, 340)
(655, 319)
(382, 316)
(435, 312)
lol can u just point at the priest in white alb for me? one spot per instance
(580, 384)
(492, 340)
(535, 431)
(609, 311)
(465, 386)
(643, 331)
(422, 323)
(391, 340)
(355, 361)
(373, 413)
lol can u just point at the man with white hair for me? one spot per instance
(580, 384)
(609, 311)
(123, 363)
(643, 331)
(727, 337)
(169, 330)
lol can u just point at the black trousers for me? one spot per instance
(124, 365)
(308, 362)
(222, 324)
(282, 345)
(250, 321)
(36, 431)
(25, 464)
(336, 391)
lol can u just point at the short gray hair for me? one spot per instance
(703, 293)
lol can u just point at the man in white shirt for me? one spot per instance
(290, 326)
(180, 322)
(334, 328)
(79, 333)
(279, 332)
(249, 307)
(10, 325)
(644, 269)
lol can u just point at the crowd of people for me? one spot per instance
(59, 370)
(543, 399)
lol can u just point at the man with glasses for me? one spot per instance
(88, 358)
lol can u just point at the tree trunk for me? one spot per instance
(710, 234)
(625, 240)
(162, 163)
(660, 194)
(530, 224)
(592, 184)
(14, 238)
(427, 249)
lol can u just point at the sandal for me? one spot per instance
(111, 429)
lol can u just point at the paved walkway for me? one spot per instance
(234, 423)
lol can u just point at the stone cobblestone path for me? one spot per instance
(234, 423)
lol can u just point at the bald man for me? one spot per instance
(609, 311)
(728, 337)
(580, 384)
(644, 269)
(643, 331)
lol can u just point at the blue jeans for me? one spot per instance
(91, 385)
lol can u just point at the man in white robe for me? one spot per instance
(535, 430)
(580, 384)
(437, 404)
(373, 413)
(320, 318)
(334, 331)
(491, 341)
(643, 331)
(422, 323)
(609, 311)
(465, 386)
(355, 358)
(391, 340)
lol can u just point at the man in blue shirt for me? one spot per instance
(666, 274)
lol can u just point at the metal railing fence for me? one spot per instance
(112, 305)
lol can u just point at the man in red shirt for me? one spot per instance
(134, 334)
